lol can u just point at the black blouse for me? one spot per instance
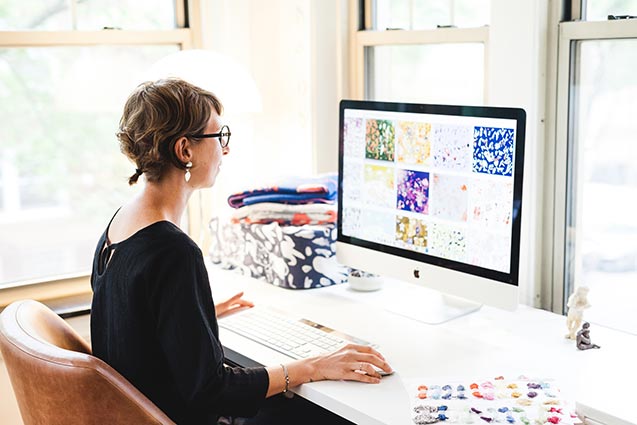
(153, 320)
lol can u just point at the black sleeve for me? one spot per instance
(187, 330)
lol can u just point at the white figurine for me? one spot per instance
(577, 303)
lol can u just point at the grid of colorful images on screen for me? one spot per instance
(428, 180)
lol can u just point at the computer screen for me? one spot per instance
(432, 194)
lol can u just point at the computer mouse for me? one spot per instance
(381, 372)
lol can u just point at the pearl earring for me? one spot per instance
(188, 167)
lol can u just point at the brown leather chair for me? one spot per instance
(56, 379)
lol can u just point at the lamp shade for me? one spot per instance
(214, 72)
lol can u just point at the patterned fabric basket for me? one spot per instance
(293, 257)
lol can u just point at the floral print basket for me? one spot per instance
(293, 257)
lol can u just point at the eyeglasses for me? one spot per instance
(223, 135)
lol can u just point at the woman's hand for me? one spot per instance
(352, 362)
(233, 304)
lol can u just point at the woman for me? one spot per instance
(153, 317)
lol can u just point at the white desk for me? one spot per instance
(484, 344)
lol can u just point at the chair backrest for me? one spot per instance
(55, 378)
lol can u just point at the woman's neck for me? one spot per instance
(166, 199)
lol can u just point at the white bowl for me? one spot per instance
(367, 283)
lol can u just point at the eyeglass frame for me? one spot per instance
(219, 135)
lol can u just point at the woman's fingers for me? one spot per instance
(235, 296)
(237, 301)
(239, 307)
(363, 349)
(233, 304)
(367, 354)
(240, 303)
(366, 369)
(354, 362)
(373, 359)
(357, 375)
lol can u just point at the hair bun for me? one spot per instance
(133, 179)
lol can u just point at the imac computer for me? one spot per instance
(432, 195)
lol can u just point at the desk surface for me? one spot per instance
(483, 344)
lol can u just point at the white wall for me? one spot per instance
(272, 40)
(329, 61)
(516, 77)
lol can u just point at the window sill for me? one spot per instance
(65, 295)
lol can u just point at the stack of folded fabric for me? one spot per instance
(285, 214)
(292, 190)
(283, 233)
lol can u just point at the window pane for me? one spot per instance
(472, 13)
(602, 243)
(424, 14)
(126, 14)
(35, 15)
(61, 170)
(437, 73)
(598, 10)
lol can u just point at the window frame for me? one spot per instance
(559, 157)
(362, 36)
(187, 34)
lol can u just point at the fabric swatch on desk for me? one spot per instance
(521, 400)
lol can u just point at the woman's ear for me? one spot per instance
(183, 151)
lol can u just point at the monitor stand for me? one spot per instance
(432, 307)
(413, 301)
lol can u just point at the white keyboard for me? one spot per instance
(297, 338)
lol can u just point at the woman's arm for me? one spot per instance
(352, 362)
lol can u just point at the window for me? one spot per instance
(457, 77)
(62, 91)
(599, 10)
(426, 14)
(596, 180)
(55, 15)
(423, 51)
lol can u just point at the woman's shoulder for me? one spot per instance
(167, 234)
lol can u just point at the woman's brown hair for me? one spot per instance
(155, 116)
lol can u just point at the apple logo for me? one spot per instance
(417, 273)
